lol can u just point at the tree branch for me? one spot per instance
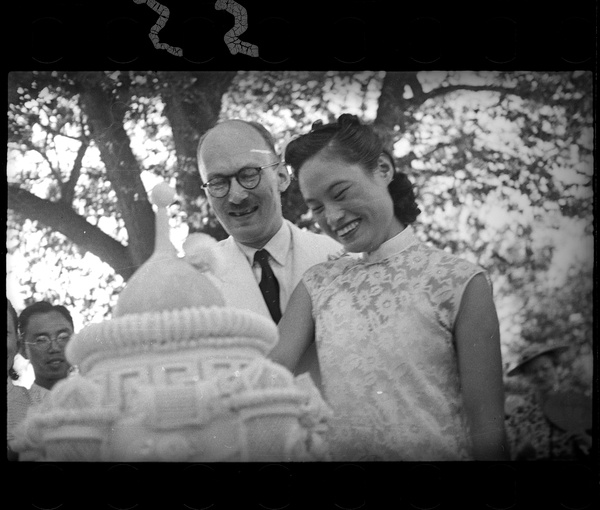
(68, 188)
(519, 91)
(405, 161)
(122, 168)
(60, 217)
(43, 153)
(440, 91)
(56, 133)
(393, 106)
(192, 106)
(415, 85)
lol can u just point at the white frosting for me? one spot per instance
(166, 382)
(171, 329)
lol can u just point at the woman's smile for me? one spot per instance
(347, 230)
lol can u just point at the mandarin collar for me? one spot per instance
(396, 244)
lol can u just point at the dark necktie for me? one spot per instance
(268, 284)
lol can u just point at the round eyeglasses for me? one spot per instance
(44, 341)
(247, 177)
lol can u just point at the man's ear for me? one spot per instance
(283, 177)
(385, 168)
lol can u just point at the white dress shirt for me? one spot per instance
(280, 256)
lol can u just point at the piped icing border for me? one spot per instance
(171, 329)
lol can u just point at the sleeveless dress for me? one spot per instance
(384, 333)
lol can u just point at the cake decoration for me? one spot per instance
(177, 375)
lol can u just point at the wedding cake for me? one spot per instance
(176, 375)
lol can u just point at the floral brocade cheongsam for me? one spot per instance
(384, 332)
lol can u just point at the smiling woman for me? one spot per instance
(407, 335)
(351, 205)
(360, 199)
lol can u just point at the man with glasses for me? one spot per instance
(45, 330)
(265, 255)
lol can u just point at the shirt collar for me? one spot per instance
(396, 244)
(278, 246)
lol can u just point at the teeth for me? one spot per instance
(347, 228)
(241, 213)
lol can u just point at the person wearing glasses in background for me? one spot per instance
(265, 255)
(44, 330)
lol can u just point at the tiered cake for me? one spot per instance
(176, 375)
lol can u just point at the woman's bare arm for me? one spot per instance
(296, 329)
(480, 365)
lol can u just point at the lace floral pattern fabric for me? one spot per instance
(384, 334)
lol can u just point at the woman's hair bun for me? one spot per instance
(348, 120)
(316, 124)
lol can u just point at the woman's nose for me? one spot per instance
(333, 215)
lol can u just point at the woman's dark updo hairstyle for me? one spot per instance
(354, 143)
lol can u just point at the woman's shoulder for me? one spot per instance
(444, 261)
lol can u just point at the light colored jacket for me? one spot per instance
(238, 284)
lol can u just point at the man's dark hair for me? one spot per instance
(42, 307)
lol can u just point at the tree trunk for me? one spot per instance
(105, 120)
(192, 106)
(394, 109)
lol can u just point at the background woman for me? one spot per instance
(407, 335)
(548, 423)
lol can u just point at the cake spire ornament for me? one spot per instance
(177, 375)
(164, 281)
